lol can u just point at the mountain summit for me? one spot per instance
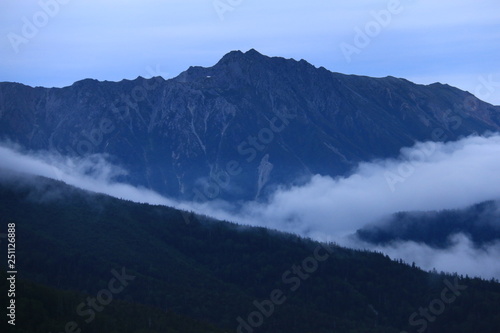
(239, 128)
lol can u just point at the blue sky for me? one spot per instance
(56, 42)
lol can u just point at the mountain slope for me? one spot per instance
(219, 272)
(237, 129)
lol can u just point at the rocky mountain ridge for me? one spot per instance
(237, 129)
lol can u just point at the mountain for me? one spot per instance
(159, 269)
(479, 222)
(238, 129)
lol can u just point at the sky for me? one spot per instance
(53, 43)
(428, 176)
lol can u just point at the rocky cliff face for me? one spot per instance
(237, 129)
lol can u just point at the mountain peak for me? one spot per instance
(253, 52)
(243, 64)
(239, 56)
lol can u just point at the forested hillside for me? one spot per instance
(216, 272)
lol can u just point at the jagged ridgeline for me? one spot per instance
(234, 130)
(143, 268)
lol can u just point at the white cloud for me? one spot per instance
(427, 176)
(92, 173)
(462, 257)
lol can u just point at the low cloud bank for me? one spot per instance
(93, 173)
(427, 176)
(462, 257)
